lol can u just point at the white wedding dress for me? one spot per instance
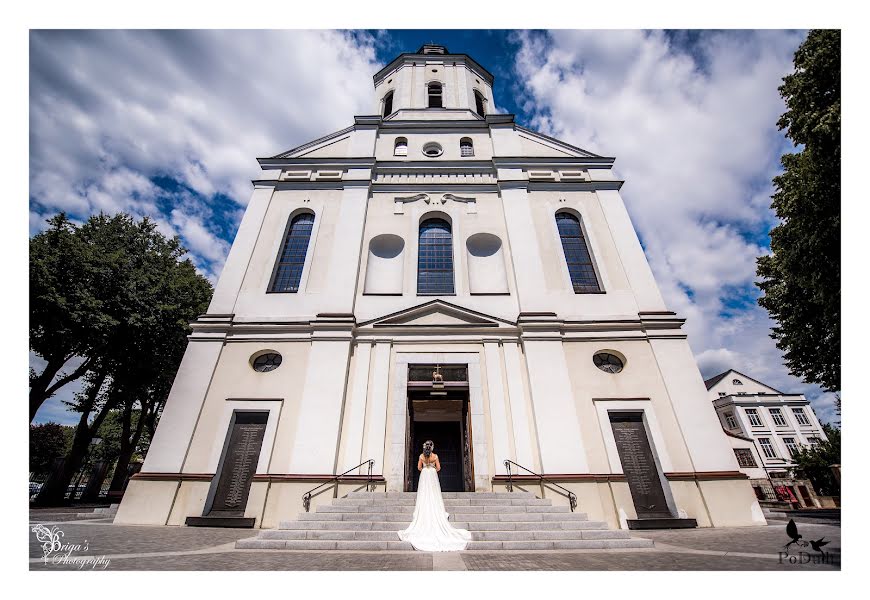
(429, 529)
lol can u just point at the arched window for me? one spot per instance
(466, 147)
(736, 382)
(434, 92)
(388, 104)
(401, 147)
(288, 269)
(479, 103)
(435, 258)
(577, 256)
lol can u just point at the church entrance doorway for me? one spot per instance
(438, 411)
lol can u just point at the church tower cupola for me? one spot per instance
(433, 83)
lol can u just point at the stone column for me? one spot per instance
(558, 429)
(315, 441)
(498, 414)
(226, 291)
(520, 416)
(174, 433)
(705, 442)
(376, 415)
(355, 409)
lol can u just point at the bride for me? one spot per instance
(429, 529)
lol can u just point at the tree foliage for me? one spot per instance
(800, 280)
(141, 294)
(814, 462)
(47, 442)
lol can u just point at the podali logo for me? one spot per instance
(801, 557)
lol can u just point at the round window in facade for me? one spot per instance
(607, 362)
(432, 149)
(268, 361)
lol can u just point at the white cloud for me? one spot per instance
(111, 110)
(692, 125)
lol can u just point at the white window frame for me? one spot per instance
(800, 416)
(777, 417)
(731, 421)
(792, 448)
(768, 449)
(753, 416)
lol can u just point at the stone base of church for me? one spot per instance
(712, 499)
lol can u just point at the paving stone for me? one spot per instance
(528, 545)
(261, 544)
(604, 534)
(310, 544)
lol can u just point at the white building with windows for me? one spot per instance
(438, 271)
(766, 427)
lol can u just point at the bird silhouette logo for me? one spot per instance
(792, 531)
(817, 544)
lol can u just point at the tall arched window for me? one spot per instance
(577, 255)
(401, 147)
(388, 104)
(480, 103)
(435, 258)
(434, 92)
(466, 147)
(288, 269)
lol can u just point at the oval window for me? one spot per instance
(432, 149)
(268, 361)
(607, 362)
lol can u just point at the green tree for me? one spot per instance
(148, 295)
(800, 280)
(47, 442)
(68, 320)
(814, 462)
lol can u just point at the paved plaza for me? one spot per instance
(97, 544)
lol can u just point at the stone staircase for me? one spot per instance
(497, 521)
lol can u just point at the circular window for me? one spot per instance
(268, 361)
(432, 149)
(607, 362)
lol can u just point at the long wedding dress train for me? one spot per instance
(429, 529)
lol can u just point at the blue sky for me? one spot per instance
(168, 124)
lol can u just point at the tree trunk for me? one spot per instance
(53, 492)
(128, 446)
(41, 388)
(39, 385)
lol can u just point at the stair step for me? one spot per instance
(534, 526)
(462, 509)
(262, 544)
(445, 495)
(389, 536)
(526, 501)
(559, 544)
(471, 526)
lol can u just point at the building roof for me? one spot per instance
(717, 378)
(714, 380)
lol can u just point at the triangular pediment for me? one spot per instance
(535, 143)
(723, 381)
(333, 145)
(437, 313)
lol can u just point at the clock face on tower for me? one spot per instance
(609, 363)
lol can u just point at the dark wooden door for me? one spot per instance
(639, 466)
(239, 464)
(447, 437)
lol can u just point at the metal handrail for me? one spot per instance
(306, 498)
(572, 498)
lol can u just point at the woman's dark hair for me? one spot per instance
(428, 446)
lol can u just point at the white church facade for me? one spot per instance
(437, 271)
